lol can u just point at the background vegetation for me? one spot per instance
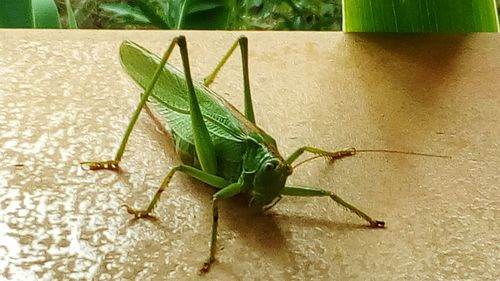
(223, 14)
(362, 15)
(209, 14)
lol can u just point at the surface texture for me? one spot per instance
(64, 99)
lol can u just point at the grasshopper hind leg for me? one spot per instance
(242, 41)
(114, 164)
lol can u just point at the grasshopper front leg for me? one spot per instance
(316, 192)
(319, 153)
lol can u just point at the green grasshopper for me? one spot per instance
(217, 144)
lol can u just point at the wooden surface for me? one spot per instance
(64, 99)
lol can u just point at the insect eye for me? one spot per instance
(269, 166)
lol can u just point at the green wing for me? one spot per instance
(226, 125)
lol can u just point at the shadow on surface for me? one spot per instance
(419, 64)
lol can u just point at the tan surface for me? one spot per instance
(64, 99)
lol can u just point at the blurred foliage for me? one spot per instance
(36, 14)
(28, 14)
(207, 14)
(420, 16)
(70, 15)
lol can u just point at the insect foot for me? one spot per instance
(137, 214)
(342, 153)
(103, 165)
(378, 224)
(206, 266)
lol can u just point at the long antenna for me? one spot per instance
(355, 151)
(401, 152)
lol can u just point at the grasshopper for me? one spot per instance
(218, 145)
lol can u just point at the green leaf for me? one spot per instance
(71, 15)
(29, 14)
(121, 10)
(15, 14)
(156, 11)
(203, 14)
(45, 14)
(200, 7)
(420, 16)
